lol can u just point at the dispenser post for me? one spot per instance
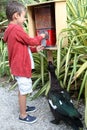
(49, 55)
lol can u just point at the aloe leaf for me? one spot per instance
(67, 64)
(42, 54)
(72, 9)
(47, 88)
(13, 87)
(40, 92)
(36, 82)
(42, 70)
(79, 72)
(86, 103)
(58, 58)
(1, 23)
(82, 84)
(69, 82)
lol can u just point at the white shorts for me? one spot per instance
(24, 85)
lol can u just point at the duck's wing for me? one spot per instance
(66, 95)
(63, 106)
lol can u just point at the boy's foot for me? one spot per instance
(28, 119)
(30, 109)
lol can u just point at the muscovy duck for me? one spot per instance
(61, 104)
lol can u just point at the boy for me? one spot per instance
(20, 46)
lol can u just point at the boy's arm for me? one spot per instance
(33, 49)
(36, 49)
(25, 39)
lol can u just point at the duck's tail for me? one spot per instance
(76, 124)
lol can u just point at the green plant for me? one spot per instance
(40, 75)
(72, 59)
(4, 67)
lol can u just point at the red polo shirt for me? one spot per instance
(17, 43)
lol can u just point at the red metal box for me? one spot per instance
(51, 40)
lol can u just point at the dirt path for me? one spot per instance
(9, 112)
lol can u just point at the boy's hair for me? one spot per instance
(13, 7)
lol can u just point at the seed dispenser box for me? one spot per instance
(47, 16)
(45, 20)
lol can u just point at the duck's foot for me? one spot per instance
(55, 121)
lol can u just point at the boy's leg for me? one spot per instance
(22, 105)
(24, 117)
(25, 87)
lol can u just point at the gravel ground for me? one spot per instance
(9, 112)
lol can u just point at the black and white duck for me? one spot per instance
(61, 104)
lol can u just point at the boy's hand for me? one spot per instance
(39, 48)
(43, 35)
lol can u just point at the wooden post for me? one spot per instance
(49, 55)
